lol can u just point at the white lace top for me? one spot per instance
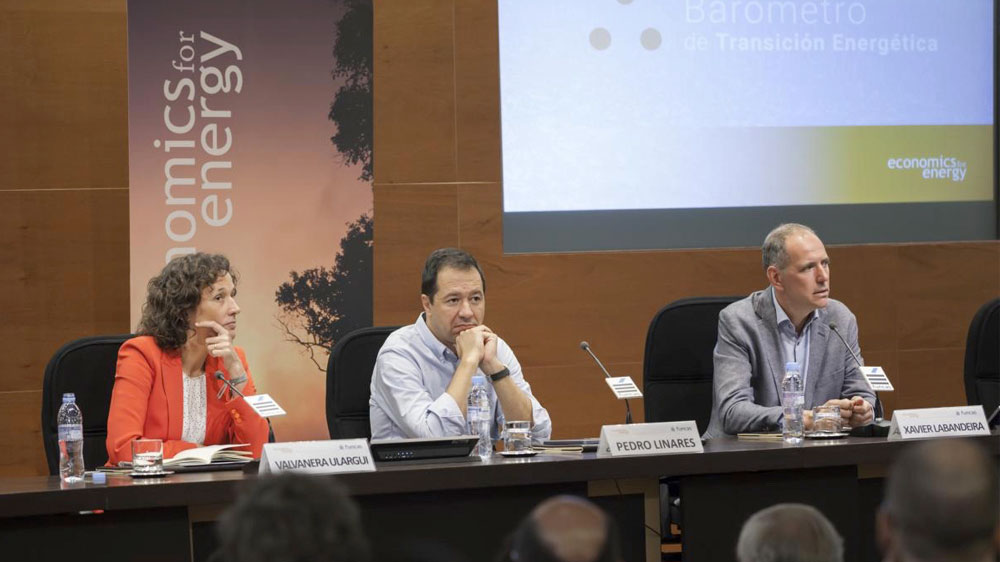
(195, 408)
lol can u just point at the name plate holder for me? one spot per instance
(317, 457)
(623, 387)
(957, 421)
(876, 378)
(264, 405)
(636, 439)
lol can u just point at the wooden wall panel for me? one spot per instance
(411, 221)
(941, 287)
(477, 93)
(21, 440)
(64, 194)
(68, 279)
(930, 378)
(415, 91)
(913, 301)
(64, 94)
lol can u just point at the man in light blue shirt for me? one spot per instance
(423, 374)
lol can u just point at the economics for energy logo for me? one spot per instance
(934, 168)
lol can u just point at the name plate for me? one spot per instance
(877, 379)
(624, 387)
(665, 438)
(317, 457)
(958, 421)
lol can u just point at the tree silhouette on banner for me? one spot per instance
(320, 305)
(351, 109)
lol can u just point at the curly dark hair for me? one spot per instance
(174, 294)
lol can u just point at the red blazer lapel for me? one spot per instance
(173, 388)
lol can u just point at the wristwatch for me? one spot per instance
(497, 376)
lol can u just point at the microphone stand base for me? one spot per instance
(878, 428)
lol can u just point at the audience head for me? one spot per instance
(173, 297)
(565, 529)
(941, 503)
(292, 518)
(789, 532)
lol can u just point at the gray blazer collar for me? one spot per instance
(817, 356)
(763, 307)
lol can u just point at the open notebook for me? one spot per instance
(208, 455)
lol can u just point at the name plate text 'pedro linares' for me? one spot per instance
(663, 438)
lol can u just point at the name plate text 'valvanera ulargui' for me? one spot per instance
(317, 457)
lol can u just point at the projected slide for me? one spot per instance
(737, 104)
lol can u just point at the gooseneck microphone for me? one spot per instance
(878, 402)
(833, 326)
(586, 347)
(227, 382)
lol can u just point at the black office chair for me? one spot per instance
(348, 381)
(982, 358)
(677, 378)
(85, 367)
(677, 368)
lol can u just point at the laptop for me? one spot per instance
(423, 448)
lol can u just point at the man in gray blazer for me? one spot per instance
(789, 321)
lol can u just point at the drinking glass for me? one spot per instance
(147, 456)
(826, 419)
(517, 437)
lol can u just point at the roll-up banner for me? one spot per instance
(250, 135)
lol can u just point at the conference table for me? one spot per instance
(473, 505)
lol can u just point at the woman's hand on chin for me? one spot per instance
(221, 345)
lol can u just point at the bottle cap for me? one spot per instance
(792, 366)
(100, 478)
(69, 397)
(479, 379)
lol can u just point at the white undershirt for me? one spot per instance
(195, 407)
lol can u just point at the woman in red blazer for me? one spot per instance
(165, 383)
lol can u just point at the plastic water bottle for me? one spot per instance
(70, 421)
(794, 399)
(478, 415)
